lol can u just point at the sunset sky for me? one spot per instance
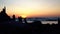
(31, 8)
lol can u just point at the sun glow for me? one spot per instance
(23, 16)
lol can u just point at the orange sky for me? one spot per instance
(31, 8)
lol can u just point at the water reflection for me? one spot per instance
(46, 22)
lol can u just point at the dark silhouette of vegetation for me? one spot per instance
(58, 20)
(12, 27)
(25, 20)
(14, 17)
(20, 19)
(4, 16)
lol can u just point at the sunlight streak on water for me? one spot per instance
(49, 22)
(46, 22)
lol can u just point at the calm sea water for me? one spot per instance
(43, 22)
(46, 22)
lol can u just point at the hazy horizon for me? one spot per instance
(31, 8)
